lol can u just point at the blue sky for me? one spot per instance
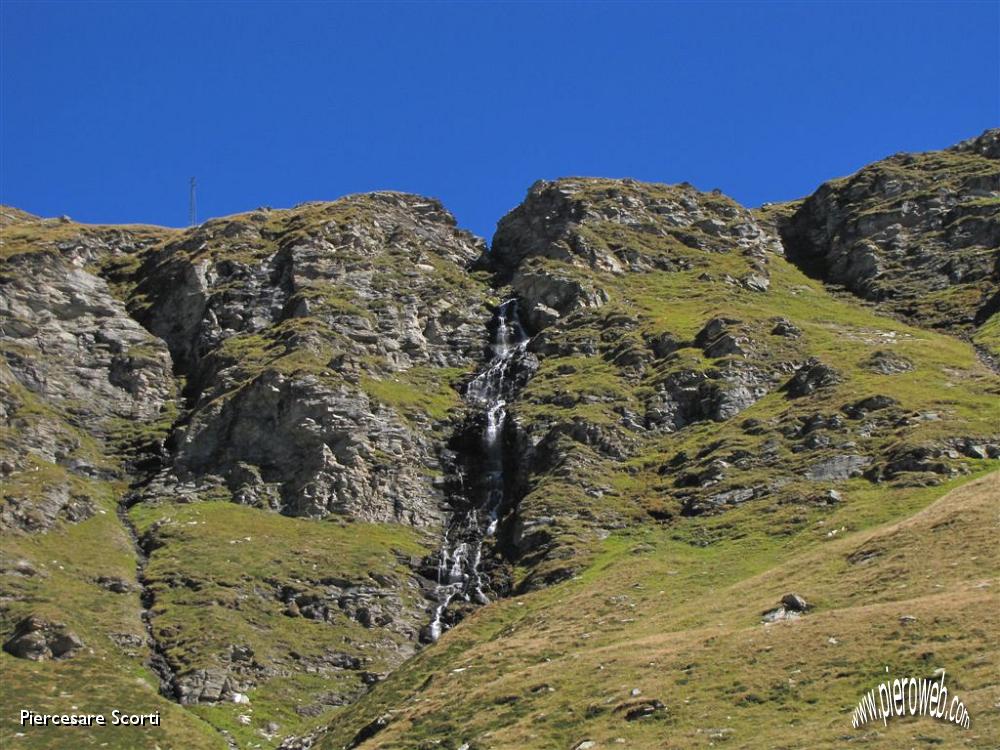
(108, 108)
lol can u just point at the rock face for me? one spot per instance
(75, 367)
(69, 341)
(917, 233)
(323, 347)
(310, 339)
(605, 374)
(372, 268)
(581, 224)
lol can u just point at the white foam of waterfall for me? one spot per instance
(459, 572)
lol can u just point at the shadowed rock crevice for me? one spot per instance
(158, 661)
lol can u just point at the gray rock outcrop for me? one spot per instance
(917, 233)
(39, 639)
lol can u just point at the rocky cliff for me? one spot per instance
(214, 387)
(233, 454)
(915, 233)
(678, 368)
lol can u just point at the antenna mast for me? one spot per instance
(192, 206)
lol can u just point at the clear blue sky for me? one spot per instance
(108, 108)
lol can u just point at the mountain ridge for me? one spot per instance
(273, 405)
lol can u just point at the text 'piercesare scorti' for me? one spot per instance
(115, 719)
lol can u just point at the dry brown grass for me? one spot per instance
(552, 669)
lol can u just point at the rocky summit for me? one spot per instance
(653, 470)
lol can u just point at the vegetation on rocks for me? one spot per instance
(916, 233)
(231, 453)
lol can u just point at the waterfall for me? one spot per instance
(458, 572)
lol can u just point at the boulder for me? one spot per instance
(860, 408)
(37, 638)
(794, 602)
(809, 378)
(642, 709)
(791, 607)
(755, 282)
(786, 329)
(837, 468)
(887, 363)
(115, 584)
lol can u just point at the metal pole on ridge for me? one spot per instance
(192, 206)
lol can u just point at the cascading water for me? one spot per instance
(458, 567)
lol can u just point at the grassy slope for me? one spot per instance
(947, 380)
(111, 671)
(988, 335)
(601, 630)
(104, 675)
(211, 588)
(216, 579)
(682, 624)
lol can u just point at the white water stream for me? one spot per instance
(458, 567)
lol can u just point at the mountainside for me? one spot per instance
(916, 233)
(341, 476)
